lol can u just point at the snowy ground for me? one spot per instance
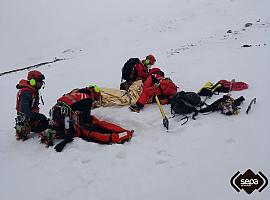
(191, 43)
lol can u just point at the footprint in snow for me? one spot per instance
(162, 152)
(85, 161)
(230, 141)
(121, 155)
(160, 162)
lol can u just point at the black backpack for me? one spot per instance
(183, 103)
(128, 68)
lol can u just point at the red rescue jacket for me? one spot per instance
(140, 72)
(25, 86)
(73, 97)
(162, 87)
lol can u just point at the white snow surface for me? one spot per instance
(190, 41)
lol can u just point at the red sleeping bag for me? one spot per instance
(235, 86)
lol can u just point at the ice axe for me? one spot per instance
(165, 119)
(253, 101)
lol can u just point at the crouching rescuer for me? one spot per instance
(155, 84)
(71, 117)
(27, 106)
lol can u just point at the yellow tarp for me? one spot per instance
(115, 97)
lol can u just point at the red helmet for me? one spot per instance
(156, 70)
(37, 75)
(151, 58)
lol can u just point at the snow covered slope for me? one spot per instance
(191, 43)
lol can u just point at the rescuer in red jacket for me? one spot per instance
(71, 117)
(27, 106)
(155, 84)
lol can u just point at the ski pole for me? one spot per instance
(165, 119)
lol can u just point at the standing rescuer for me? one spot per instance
(27, 106)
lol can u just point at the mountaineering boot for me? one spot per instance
(136, 107)
(21, 136)
(22, 127)
(47, 136)
(22, 131)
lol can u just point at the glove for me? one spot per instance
(237, 102)
(164, 101)
(60, 146)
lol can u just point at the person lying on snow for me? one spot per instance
(134, 70)
(27, 106)
(155, 84)
(71, 117)
(116, 97)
